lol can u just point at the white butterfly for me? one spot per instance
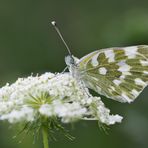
(119, 73)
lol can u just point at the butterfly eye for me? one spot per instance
(69, 60)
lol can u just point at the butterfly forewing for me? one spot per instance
(117, 73)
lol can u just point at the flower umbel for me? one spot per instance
(49, 100)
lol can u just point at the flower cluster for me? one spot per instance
(51, 95)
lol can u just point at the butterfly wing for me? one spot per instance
(117, 73)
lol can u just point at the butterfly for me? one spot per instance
(119, 73)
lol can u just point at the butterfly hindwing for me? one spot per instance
(117, 73)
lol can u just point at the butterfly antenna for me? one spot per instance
(60, 35)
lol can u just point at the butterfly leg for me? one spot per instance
(56, 74)
(83, 87)
(64, 69)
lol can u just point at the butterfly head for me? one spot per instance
(69, 60)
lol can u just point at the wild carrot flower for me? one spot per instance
(46, 101)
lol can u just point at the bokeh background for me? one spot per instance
(29, 44)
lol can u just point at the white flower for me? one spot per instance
(49, 96)
(103, 114)
(25, 113)
(68, 112)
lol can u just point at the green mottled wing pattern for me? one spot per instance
(117, 73)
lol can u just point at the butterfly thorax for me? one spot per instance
(72, 66)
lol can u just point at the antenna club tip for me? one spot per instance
(53, 23)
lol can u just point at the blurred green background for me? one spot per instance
(29, 44)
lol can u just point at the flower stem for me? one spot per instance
(45, 137)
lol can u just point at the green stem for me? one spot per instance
(45, 137)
